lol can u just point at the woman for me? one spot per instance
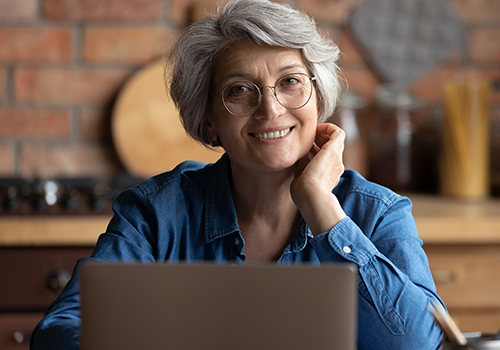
(258, 80)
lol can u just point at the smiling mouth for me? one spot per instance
(272, 135)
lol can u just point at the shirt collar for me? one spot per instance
(220, 214)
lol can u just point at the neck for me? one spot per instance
(258, 194)
(267, 215)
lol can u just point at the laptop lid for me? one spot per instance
(208, 306)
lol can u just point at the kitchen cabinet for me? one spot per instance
(468, 280)
(16, 328)
(461, 239)
(462, 242)
(32, 277)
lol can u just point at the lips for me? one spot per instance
(272, 135)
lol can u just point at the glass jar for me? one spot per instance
(390, 138)
(347, 118)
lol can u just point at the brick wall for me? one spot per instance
(63, 62)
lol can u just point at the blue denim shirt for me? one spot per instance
(188, 214)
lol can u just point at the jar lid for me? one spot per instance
(389, 96)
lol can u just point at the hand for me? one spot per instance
(315, 177)
(324, 163)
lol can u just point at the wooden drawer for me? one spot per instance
(468, 280)
(15, 330)
(32, 277)
(476, 320)
(466, 276)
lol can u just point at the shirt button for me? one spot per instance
(346, 249)
(237, 241)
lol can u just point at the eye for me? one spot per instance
(291, 82)
(238, 90)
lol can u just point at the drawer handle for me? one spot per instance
(57, 280)
(444, 276)
(21, 338)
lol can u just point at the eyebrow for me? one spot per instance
(249, 76)
(296, 65)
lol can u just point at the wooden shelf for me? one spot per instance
(443, 220)
(51, 231)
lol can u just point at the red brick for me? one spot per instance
(102, 9)
(477, 10)
(18, 9)
(3, 83)
(6, 160)
(95, 124)
(184, 11)
(430, 87)
(330, 33)
(352, 53)
(362, 80)
(35, 45)
(484, 45)
(328, 10)
(34, 123)
(64, 86)
(124, 44)
(47, 161)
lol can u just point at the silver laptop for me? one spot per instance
(223, 307)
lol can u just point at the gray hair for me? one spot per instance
(190, 64)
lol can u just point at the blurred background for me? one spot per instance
(63, 63)
(84, 114)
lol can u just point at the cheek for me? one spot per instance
(311, 123)
(308, 132)
(227, 128)
(311, 137)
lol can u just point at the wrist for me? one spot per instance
(320, 209)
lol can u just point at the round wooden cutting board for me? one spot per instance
(147, 133)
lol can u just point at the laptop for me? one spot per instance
(207, 306)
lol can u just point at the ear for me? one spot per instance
(318, 107)
(211, 132)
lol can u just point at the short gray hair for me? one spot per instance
(190, 64)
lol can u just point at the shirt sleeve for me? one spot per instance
(395, 284)
(127, 238)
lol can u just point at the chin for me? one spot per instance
(280, 164)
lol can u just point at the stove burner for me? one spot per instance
(61, 196)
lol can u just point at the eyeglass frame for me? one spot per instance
(273, 88)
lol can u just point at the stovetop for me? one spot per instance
(61, 196)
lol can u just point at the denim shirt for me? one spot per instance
(188, 215)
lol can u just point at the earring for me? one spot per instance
(216, 143)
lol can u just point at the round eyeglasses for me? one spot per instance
(242, 98)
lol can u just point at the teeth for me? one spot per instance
(273, 135)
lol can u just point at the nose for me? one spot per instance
(269, 107)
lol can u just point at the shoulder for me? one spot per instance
(187, 181)
(354, 190)
(188, 174)
(375, 208)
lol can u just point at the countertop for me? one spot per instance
(439, 220)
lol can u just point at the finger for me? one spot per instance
(327, 132)
(326, 128)
(314, 150)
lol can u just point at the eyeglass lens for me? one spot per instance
(242, 98)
